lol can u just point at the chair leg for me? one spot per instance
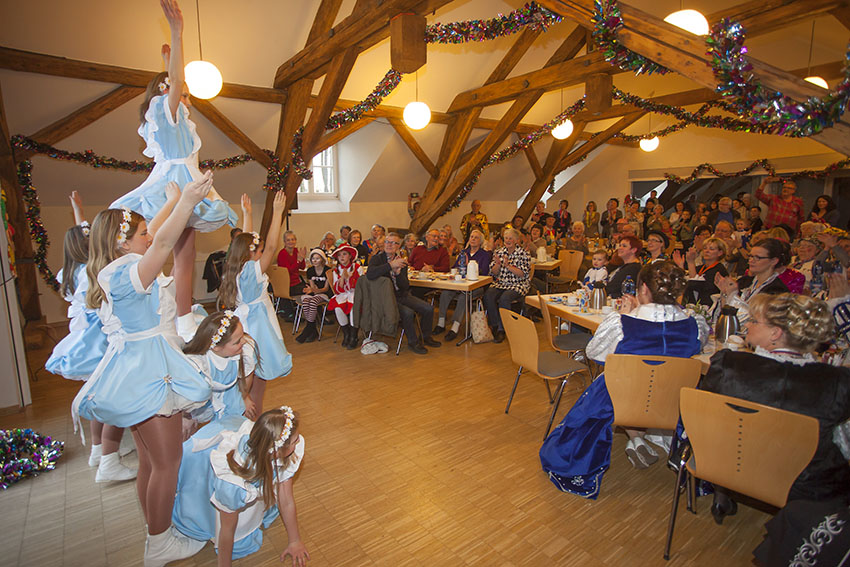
(297, 321)
(510, 399)
(400, 338)
(336, 336)
(322, 324)
(549, 391)
(674, 509)
(555, 409)
(692, 492)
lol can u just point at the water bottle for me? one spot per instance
(628, 287)
(816, 284)
(461, 264)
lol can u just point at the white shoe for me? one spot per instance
(634, 457)
(111, 469)
(127, 446)
(646, 453)
(169, 546)
(96, 454)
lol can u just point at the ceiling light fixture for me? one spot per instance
(416, 114)
(202, 77)
(649, 144)
(565, 128)
(814, 79)
(688, 20)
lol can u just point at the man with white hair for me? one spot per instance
(723, 212)
(785, 208)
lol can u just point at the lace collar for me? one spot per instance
(800, 359)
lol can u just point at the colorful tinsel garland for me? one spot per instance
(24, 453)
(37, 231)
(758, 164)
(531, 16)
(607, 22)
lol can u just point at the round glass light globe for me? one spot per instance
(563, 130)
(417, 115)
(689, 20)
(203, 79)
(819, 81)
(649, 144)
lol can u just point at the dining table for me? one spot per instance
(450, 282)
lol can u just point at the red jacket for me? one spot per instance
(438, 257)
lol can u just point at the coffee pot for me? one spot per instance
(727, 324)
(472, 270)
(598, 296)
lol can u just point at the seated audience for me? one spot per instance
(328, 243)
(701, 280)
(609, 218)
(410, 242)
(345, 276)
(534, 239)
(430, 257)
(578, 239)
(315, 292)
(355, 239)
(539, 213)
(288, 258)
(377, 232)
(344, 232)
(473, 251)
(597, 272)
(766, 260)
(511, 272)
(656, 246)
(628, 250)
(448, 241)
(723, 212)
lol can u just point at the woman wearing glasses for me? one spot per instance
(766, 261)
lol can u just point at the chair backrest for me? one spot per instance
(279, 278)
(547, 319)
(747, 447)
(644, 389)
(570, 263)
(522, 337)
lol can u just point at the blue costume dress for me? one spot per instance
(223, 374)
(578, 452)
(206, 485)
(77, 355)
(144, 372)
(255, 310)
(174, 147)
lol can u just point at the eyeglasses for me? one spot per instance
(755, 257)
(393, 242)
(658, 240)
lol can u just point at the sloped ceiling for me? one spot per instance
(249, 40)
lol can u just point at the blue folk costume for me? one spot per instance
(223, 373)
(578, 452)
(77, 355)
(255, 310)
(206, 484)
(144, 372)
(174, 148)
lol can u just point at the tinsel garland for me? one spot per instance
(36, 226)
(607, 22)
(759, 163)
(769, 109)
(531, 15)
(387, 85)
(24, 453)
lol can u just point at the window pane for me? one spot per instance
(304, 187)
(323, 180)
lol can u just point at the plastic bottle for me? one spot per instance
(461, 263)
(628, 287)
(816, 284)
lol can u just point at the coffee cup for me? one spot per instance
(607, 309)
(458, 277)
(453, 271)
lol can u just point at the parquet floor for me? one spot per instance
(410, 460)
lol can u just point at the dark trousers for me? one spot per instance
(408, 307)
(494, 298)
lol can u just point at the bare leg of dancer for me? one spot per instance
(258, 390)
(184, 264)
(144, 473)
(161, 439)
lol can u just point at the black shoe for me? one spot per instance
(354, 341)
(498, 336)
(314, 333)
(438, 329)
(450, 336)
(431, 342)
(721, 511)
(346, 336)
(302, 337)
(418, 349)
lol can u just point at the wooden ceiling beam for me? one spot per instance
(361, 30)
(533, 162)
(413, 146)
(229, 129)
(333, 137)
(842, 14)
(764, 16)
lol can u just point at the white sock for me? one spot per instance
(441, 322)
(186, 326)
(455, 326)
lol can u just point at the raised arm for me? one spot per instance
(172, 195)
(175, 60)
(273, 237)
(247, 212)
(166, 237)
(77, 205)
(286, 504)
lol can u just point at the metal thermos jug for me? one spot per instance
(597, 296)
(727, 324)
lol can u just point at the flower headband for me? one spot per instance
(124, 228)
(280, 442)
(222, 328)
(253, 246)
(164, 85)
(85, 227)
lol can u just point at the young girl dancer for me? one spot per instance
(315, 293)
(144, 381)
(226, 355)
(244, 285)
(76, 356)
(230, 479)
(345, 279)
(173, 144)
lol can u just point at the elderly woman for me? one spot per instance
(784, 330)
(473, 251)
(578, 452)
(807, 250)
(410, 242)
(578, 239)
(328, 243)
(701, 279)
(766, 260)
(355, 239)
(511, 271)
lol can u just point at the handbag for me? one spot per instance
(481, 332)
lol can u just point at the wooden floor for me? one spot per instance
(410, 460)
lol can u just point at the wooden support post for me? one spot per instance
(24, 266)
(408, 51)
(598, 92)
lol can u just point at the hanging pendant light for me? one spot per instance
(814, 79)
(649, 144)
(688, 20)
(416, 114)
(565, 128)
(202, 77)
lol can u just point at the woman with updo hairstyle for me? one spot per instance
(766, 261)
(785, 330)
(578, 452)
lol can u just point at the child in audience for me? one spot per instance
(742, 232)
(234, 482)
(598, 272)
(244, 285)
(315, 293)
(345, 279)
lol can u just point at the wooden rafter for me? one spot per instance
(413, 146)
(531, 156)
(764, 16)
(229, 129)
(335, 136)
(24, 265)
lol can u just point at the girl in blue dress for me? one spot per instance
(244, 286)
(172, 142)
(234, 482)
(77, 355)
(226, 355)
(144, 381)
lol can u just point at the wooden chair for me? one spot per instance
(569, 343)
(645, 389)
(279, 279)
(749, 448)
(570, 263)
(525, 351)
